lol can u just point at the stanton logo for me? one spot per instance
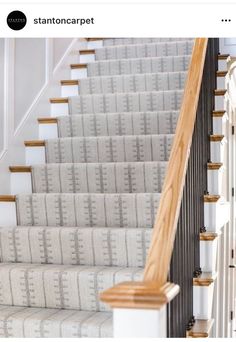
(16, 20)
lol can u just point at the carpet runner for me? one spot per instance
(88, 223)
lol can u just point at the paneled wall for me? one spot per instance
(30, 73)
(59, 47)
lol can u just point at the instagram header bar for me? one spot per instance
(106, 20)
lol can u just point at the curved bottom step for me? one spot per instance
(17, 322)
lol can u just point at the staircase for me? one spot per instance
(87, 224)
(87, 199)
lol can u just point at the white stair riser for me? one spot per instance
(77, 74)
(217, 151)
(88, 58)
(219, 125)
(130, 323)
(8, 214)
(59, 109)
(69, 90)
(216, 215)
(220, 82)
(219, 102)
(215, 181)
(222, 65)
(202, 301)
(208, 252)
(35, 155)
(95, 44)
(48, 131)
(21, 183)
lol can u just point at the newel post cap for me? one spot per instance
(140, 295)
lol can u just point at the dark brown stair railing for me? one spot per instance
(174, 252)
(185, 261)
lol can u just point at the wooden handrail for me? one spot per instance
(159, 257)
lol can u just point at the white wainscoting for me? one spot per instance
(40, 80)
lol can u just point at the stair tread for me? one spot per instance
(221, 73)
(69, 82)
(133, 83)
(218, 113)
(54, 323)
(214, 166)
(108, 124)
(98, 246)
(59, 100)
(131, 41)
(20, 168)
(131, 101)
(48, 120)
(109, 148)
(145, 50)
(208, 236)
(61, 286)
(201, 328)
(78, 65)
(137, 65)
(120, 177)
(7, 198)
(205, 279)
(88, 209)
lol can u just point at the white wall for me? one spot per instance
(228, 45)
(59, 47)
(29, 74)
(32, 76)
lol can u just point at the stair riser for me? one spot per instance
(215, 181)
(221, 82)
(220, 103)
(219, 125)
(8, 214)
(218, 151)
(87, 58)
(96, 44)
(48, 131)
(222, 65)
(21, 183)
(216, 215)
(78, 74)
(69, 90)
(202, 301)
(35, 155)
(208, 253)
(59, 109)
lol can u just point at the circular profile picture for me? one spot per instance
(16, 20)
